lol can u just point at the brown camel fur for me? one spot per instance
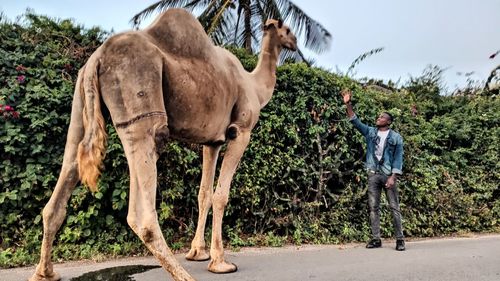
(165, 82)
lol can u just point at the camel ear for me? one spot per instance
(280, 23)
(268, 25)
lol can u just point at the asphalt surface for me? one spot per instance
(455, 259)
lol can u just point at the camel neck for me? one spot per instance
(265, 71)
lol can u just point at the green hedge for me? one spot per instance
(301, 179)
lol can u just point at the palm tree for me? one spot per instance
(238, 22)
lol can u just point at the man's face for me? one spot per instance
(383, 120)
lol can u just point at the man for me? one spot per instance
(384, 162)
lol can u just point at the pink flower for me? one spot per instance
(21, 79)
(7, 111)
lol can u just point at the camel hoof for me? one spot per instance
(222, 267)
(53, 277)
(197, 255)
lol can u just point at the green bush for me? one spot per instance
(301, 179)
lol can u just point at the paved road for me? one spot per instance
(453, 259)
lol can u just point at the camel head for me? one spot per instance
(286, 38)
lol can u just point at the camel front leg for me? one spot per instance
(210, 155)
(232, 157)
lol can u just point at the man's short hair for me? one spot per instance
(390, 116)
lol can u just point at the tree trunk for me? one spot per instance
(248, 26)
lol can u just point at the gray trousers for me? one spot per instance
(376, 183)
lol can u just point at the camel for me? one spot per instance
(167, 81)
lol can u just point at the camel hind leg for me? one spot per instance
(139, 141)
(210, 155)
(54, 212)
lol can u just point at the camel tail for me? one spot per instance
(92, 148)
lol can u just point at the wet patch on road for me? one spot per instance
(119, 273)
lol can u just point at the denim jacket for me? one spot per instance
(392, 159)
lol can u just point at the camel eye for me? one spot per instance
(287, 31)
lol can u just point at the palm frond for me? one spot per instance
(198, 4)
(240, 37)
(159, 7)
(235, 31)
(218, 17)
(270, 10)
(220, 34)
(361, 58)
(254, 33)
(217, 20)
(294, 56)
(260, 10)
(315, 36)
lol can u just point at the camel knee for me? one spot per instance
(204, 197)
(132, 221)
(205, 202)
(52, 214)
(219, 201)
(145, 227)
(147, 233)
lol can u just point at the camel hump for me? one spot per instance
(179, 33)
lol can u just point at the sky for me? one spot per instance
(456, 35)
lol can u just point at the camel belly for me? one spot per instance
(200, 117)
(197, 130)
(199, 99)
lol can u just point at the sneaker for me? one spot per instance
(374, 243)
(400, 245)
